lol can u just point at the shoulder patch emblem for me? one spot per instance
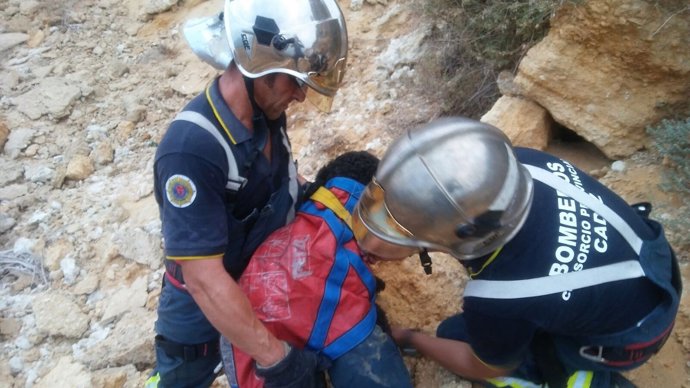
(180, 191)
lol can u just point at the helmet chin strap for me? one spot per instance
(425, 259)
(258, 117)
(249, 85)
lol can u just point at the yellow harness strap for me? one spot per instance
(325, 197)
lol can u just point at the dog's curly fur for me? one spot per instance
(358, 165)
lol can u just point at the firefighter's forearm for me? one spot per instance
(456, 356)
(229, 310)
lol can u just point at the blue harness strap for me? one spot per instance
(343, 261)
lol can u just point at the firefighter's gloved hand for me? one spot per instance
(299, 368)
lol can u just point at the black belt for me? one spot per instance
(628, 355)
(188, 352)
(174, 270)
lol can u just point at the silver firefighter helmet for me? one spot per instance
(306, 39)
(453, 185)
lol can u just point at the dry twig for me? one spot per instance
(12, 263)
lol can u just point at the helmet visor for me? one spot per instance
(327, 82)
(322, 102)
(324, 85)
(372, 215)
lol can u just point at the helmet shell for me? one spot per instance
(303, 38)
(456, 186)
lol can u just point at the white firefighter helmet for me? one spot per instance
(306, 39)
(453, 185)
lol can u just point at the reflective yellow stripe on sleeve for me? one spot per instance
(152, 382)
(512, 382)
(580, 379)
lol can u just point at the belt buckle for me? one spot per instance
(597, 357)
(189, 353)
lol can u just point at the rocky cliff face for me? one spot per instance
(608, 69)
(88, 87)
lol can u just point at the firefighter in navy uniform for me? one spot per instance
(225, 179)
(569, 284)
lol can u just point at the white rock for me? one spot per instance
(40, 173)
(13, 191)
(125, 346)
(19, 139)
(95, 233)
(23, 245)
(618, 166)
(69, 269)
(29, 7)
(12, 39)
(158, 6)
(10, 175)
(16, 365)
(37, 217)
(94, 298)
(96, 132)
(125, 299)
(31, 377)
(87, 285)
(403, 50)
(6, 223)
(9, 79)
(23, 343)
(52, 95)
(356, 5)
(137, 245)
(57, 314)
(66, 374)
(98, 334)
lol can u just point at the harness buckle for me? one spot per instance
(593, 353)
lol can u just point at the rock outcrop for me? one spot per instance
(609, 68)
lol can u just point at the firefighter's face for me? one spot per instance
(376, 249)
(275, 92)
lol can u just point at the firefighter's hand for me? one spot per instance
(401, 336)
(299, 368)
